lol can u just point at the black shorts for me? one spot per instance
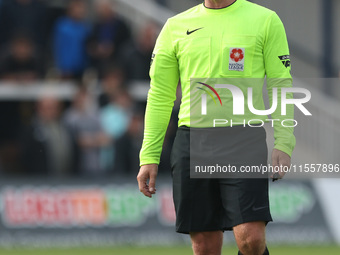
(219, 204)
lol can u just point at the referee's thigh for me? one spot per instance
(244, 200)
(197, 201)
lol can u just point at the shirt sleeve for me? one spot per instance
(164, 74)
(278, 67)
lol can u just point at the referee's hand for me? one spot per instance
(280, 159)
(147, 172)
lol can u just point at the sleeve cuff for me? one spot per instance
(285, 149)
(149, 161)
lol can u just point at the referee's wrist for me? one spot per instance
(148, 163)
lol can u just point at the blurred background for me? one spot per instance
(73, 86)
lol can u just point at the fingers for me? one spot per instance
(147, 173)
(143, 186)
(280, 161)
(276, 176)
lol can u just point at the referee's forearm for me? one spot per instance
(157, 117)
(284, 126)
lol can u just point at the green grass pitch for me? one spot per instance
(132, 250)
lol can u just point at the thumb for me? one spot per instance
(275, 159)
(275, 164)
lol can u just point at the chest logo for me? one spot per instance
(192, 31)
(236, 59)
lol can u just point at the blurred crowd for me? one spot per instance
(94, 134)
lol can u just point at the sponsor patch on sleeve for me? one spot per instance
(152, 58)
(285, 59)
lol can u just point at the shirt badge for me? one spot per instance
(236, 59)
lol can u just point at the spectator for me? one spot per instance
(70, 35)
(84, 123)
(47, 143)
(112, 81)
(138, 55)
(21, 63)
(109, 36)
(115, 118)
(9, 153)
(128, 146)
(23, 16)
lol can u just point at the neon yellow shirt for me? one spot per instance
(243, 40)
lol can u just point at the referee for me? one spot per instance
(214, 40)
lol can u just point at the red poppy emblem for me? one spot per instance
(237, 55)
